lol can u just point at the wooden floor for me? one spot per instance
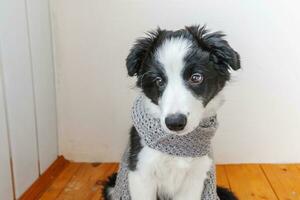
(81, 181)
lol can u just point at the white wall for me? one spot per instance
(259, 122)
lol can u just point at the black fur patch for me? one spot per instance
(135, 147)
(225, 194)
(109, 184)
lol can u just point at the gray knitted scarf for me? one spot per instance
(194, 144)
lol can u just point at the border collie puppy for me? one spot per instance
(181, 75)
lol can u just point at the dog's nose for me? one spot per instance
(176, 122)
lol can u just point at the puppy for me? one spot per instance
(181, 75)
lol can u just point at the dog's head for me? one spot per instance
(181, 73)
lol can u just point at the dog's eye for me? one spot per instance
(196, 78)
(159, 82)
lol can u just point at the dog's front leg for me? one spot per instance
(192, 187)
(141, 185)
(191, 190)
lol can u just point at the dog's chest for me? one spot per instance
(170, 173)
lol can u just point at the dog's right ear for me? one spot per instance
(140, 51)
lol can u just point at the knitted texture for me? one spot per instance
(194, 144)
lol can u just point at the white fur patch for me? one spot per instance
(177, 98)
(179, 178)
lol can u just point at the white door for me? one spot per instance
(28, 82)
(6, 189)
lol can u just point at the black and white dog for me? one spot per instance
(182, 74)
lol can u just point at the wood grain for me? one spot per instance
(285, 179)
(45, 180)
(98, 194)
(87, 182)
(60, 183)
(222, 177)
(249, 182)
(83, 181)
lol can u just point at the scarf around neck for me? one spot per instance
(193, 144)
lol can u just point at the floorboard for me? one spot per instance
(249, 182)
(60, 183)
(84, 181)
(285, 179)
(222, 179)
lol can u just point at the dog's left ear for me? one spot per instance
(220, 51)
(140, 51)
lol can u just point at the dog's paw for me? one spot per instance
(108, 186)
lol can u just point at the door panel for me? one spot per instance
(43, 77)
(6, 191)
(18, 87)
